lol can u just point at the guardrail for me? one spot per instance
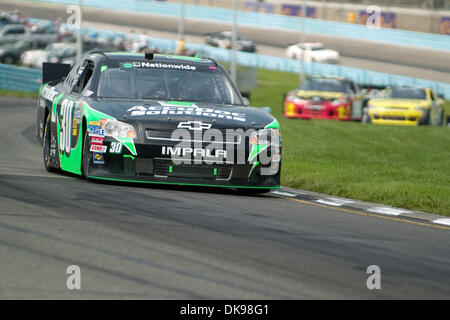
(264, 20)
(18, 78)
(289, 65)
(12, 77)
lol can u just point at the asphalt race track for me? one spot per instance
(156, 242)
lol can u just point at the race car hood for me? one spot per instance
(399, 103)
(169, 114)
(324, 95)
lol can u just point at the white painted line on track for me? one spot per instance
(442, 221)
(388, 211)
(286, 194)
(334, 202)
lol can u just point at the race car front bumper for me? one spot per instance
(149, 166)
(317, 111)
(407, 117)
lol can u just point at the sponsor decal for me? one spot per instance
(444, 27)
(138, 64)
(98, 158)
(296, 10)
(49, 93)
(88, 93)
(385, 19)
(77, 111)
(98, 148)
(97, 140)
(66, 117)
(192, 110)
(195, 152)
(194, 125)
(74, 126)
(260, 7)
(96, 128)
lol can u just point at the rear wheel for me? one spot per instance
(366, 117)
(49, 148)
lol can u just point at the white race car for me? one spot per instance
(312, 52)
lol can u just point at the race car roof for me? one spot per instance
(127, 56)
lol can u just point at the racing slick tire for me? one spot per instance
(365, 117)
(442, 121)
(50, 162)
(87, 155)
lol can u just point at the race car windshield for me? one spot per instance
(407, 93)
(199, 85)
(330, 85)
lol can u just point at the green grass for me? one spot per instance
(407, 167)
(16, 93)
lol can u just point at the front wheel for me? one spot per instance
(86, 156)
(49, 148)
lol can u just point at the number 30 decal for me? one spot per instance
(116, 147)
(66, 126)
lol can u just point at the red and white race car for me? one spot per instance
(325, 98)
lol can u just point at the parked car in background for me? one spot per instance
(312, 52)
(223, 39)
(88, 47)
(34, 58)
(10, 53)
(15, 32)
(325, 98)
(12, 18)
(405, 105)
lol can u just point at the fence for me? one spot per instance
(289, 65)
(263, 20)
(21, 79)
(17, 78)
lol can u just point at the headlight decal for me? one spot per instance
(126, 140)
(260, 141)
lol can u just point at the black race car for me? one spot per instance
(155, 119)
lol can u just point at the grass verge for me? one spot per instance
(407, 167)
(16, 93)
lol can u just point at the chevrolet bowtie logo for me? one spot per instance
(194, 125)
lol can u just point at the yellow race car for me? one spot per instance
(405, 106)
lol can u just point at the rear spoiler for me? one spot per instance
(54, 71)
